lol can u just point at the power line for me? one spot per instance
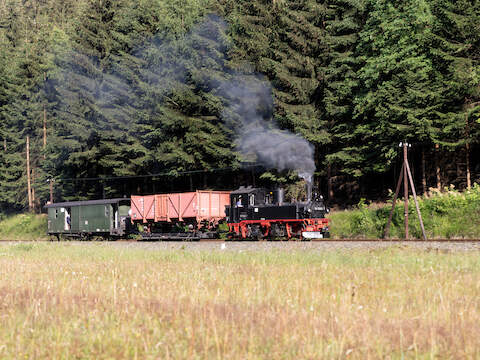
(187, 172)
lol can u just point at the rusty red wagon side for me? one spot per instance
(202, 207)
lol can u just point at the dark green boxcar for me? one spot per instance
(94, 217)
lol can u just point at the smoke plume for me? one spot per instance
(201, 56)
(250, 102)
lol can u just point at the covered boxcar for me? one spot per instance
(89, 218)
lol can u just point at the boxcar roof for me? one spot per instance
(86, 202)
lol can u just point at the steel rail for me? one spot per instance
(329, 240)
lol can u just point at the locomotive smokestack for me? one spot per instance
(280, 193)
(309, 191)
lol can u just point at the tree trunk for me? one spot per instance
(467, 157)
(44, 127)
(467, 151)
(424, 175)
(330, 183)
(437, 167)
(29, 189)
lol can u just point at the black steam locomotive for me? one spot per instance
(257, 213)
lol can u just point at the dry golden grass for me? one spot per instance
(61, 301)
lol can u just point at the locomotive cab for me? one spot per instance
(249, 203)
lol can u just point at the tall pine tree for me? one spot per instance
(399, 92)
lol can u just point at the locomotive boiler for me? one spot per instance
(258, 213)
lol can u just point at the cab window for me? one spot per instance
(268, 198)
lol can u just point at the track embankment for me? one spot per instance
(438, 245)
(441, 245)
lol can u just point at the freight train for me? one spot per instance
(249, 214)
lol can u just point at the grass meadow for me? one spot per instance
(99, 301)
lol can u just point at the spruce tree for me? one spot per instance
(343, 22)
(181, 126)
(456, 56)
(26, 31)
(89, 126)
(399, 90)
(11, 165)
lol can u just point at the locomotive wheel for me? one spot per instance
(254, 232)
(278, 231)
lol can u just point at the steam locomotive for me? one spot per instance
(257, 213)
(250, 213)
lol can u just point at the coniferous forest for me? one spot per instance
(108, 93)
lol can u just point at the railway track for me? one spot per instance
(315, 240)
(182, 237)
(329, 240)
(399, 240)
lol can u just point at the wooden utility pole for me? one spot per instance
(50, 183)
(29, 189)
(44, 121)
(406, 176)
(33, 188)
(405, 189)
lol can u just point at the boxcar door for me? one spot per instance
(68, 219)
